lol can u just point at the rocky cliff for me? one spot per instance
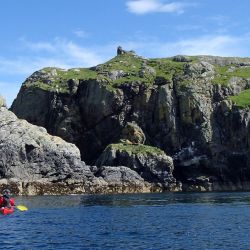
(193, 109)
(34, 162)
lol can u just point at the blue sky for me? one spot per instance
(83, 33)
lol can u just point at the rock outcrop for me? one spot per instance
(133, 133)
(189, 107)
(152, 164)
(37, 161)
(34, 162)
(120, 179)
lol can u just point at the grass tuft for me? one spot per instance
(136, 149)
(242, 100)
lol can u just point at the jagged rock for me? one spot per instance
(185, 104)
(2, 102)
(152, 164)
(29, 153)
(120, 51)
(133, 133)
(181, 58)
(73, 85)
(147, 71)
(201, 69)
(122, 179)
(33, 162)
(116, 74)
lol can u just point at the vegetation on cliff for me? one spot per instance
(128, 68)
(57, 80)
(136, 149)
(242, 100)
(225, 73)
(124, 68)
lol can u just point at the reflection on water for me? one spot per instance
(164, 199)
(141, 221)
(128, 200)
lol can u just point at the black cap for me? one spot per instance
(6, 193)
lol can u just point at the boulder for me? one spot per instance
(180, 58)
(122, 179)
(147, 72)
(133, 133)
(150, 163)
(120, 51)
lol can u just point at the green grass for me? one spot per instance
(125, 62)
(242, 72)
(242, 100)
(129, 64)
(136, 149)
(132, 65)
(223, 73)
(166, 68)
(59, 81)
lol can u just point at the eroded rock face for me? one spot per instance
(180, 105)
(150, 163)
(33, 162)
(28, 153)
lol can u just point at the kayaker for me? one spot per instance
(5, 200)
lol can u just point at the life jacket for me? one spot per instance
(6, 202)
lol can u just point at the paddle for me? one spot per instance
(21, 208)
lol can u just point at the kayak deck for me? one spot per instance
(6, 210)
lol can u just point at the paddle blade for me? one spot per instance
(21, 208)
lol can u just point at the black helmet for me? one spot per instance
(6, 193)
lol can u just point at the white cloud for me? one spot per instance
(80, 55)
(81, 33)
(59, 53)
(206, 45)
(67, 54)
(37, 46)
(148, 6)
(220, 45)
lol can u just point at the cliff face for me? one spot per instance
(195, 109)
(33, 162)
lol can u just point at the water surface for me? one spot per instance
(142, 221)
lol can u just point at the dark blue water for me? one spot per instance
(146, 221)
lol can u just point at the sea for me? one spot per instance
(130, 221)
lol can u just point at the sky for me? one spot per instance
(84, 33)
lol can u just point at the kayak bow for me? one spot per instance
(6, 210)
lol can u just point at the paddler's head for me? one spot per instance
(6, 193)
